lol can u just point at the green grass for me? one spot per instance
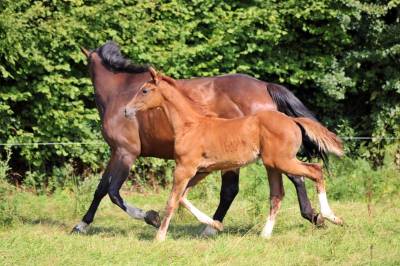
(40, 235)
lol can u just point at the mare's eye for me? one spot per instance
(145, 90)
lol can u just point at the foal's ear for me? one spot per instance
(154, 75)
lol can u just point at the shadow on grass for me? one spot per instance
(45, 221)
(177, 232)
(107, 231)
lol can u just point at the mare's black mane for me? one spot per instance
(113, 60)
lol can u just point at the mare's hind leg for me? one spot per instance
(306, 210)
(314, 172)
(276, 195)
(229, 190)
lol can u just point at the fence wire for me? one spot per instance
(54, 143)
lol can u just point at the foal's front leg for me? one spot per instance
(182, 176)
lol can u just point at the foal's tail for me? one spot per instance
(290, 105)
(325, 140)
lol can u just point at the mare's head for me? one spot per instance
(149, 96)
(113, 74)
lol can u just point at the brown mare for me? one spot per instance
(116, 80)
(204, 144)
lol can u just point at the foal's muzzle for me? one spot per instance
(129, 112)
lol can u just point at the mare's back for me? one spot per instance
(228, 96)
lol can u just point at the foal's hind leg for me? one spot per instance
(314, 172)
(276, 195)
(229, 190)
(202, 217)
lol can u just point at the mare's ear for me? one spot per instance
(154, 75)
(85, 52)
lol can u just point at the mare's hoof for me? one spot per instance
(77, 231)
(318, 220)
(80, 228)
(152, 218)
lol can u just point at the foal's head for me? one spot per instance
(149, 95)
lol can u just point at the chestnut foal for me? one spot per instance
(204, 144)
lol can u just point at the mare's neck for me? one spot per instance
(178, 109)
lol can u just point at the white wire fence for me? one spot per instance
(94, 143)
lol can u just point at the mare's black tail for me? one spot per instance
(290, 105)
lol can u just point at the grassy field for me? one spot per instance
(39, 234)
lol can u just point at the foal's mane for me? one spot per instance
(114, 61)
(198, 107)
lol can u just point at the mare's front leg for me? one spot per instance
(115, 174)
(99, 194)
(117, 178)
(182, 176)
(306, 210)
(229, 190)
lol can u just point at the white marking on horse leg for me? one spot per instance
(202, 217)
(326, 211)
(82, 226)
(269, 226)
(134, 212)
(274, 209)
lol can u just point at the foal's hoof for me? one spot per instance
(209, 231)
(152, 218)
(334, 219)
(218, 225)
(338, 221)
(318, 220)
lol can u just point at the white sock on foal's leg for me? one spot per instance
(269, 226)
(202, 217)
(326, 211)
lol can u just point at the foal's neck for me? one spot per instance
(178, 109)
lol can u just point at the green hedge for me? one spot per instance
(340, 57)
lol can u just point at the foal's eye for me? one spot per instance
(145, 90)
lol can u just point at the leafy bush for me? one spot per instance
(339, 57)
